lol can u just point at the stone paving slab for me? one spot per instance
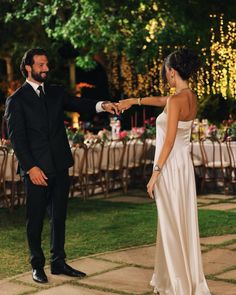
(231, 247)
(221, 207)
(217, 260)
(72, 290)
(139, 256)
(221, 288)
(91, 266)
(215, 196)
(206, 201)
(88, 265)
(203, 248)
(11, 288)
(127, 279)
(230, 275)
(53, 280)
(216, 240)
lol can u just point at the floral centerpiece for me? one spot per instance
(104, 135)
(137, 132)
(229, 127)
(212, 131)
(124, 135)
(232, 131)
(149, 128)
(74, 135)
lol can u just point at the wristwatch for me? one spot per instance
(157, 168)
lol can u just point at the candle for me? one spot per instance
(144, 115)
(135, 119)
(132, 122)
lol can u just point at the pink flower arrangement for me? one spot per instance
(137, 131)
(123, 134)
(150, 122)
(212, 130)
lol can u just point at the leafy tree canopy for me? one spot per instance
(135, 27)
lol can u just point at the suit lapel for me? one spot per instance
(31, 96)
(29, 91)
(49, 104)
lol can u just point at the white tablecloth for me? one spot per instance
(197, 155)
(133, 151)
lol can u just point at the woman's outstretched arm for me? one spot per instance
(157, 101)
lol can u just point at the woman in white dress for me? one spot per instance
(178, 264)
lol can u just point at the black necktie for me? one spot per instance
(41, 93)
(42, 97)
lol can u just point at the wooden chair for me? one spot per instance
(14, 184)
(4, 200)
(112, 165)
(76, 171)
(231, 148)
(92, 178)
(216, 166)
(198, 164)
(147, 159)
(132, 162)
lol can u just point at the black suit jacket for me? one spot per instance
(37, 133)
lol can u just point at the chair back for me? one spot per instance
(113, 155)
(213, 154)
(133, 153)
(93, 158)
(3, 162)
(231, 147)
(196, 153)
(79, 156)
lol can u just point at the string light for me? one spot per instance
(217, 76)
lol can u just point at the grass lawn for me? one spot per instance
(96, 226)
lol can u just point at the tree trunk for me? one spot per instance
(9, 67)
(72, 73)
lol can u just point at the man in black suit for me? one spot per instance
(35, 120)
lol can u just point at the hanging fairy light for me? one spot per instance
(217, 76)
(220, 71)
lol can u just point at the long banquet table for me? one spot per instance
(134, 154)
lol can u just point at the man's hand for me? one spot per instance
(37, 176)
(110, 107)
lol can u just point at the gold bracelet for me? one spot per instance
(139, 101)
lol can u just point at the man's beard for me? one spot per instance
(37, 76)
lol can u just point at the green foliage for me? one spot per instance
(216, 108)
(75, 135)
(135, 27)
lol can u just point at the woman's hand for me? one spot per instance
(125, 104)
(151, 183)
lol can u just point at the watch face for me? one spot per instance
(156, 168)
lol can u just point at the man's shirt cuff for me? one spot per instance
(99, 108)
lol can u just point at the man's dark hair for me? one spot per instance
(28, 59)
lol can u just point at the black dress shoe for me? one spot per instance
(67, 270)
(39, 275)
